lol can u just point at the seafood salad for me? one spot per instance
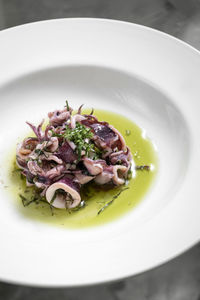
(72, 150)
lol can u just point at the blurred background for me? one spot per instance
(179, 279)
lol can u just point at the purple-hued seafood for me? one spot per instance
(71, 151)
(64, 193)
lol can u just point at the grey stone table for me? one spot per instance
(179, 279)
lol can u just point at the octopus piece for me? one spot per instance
(38, 130)
(72, 145)
(59, 130)
(76, 118)
(105, 133)
(22, 152)
(29, 184)
(40, 185)
(121, 157)
(104, 178)
(51, 157)
(50, 173)
(25, 148)
(119, 173)
(66, 153)
(34, 169)
(116, 154)
(29, 177)
(44, 151)
(106, 137)
(21, 163)
(50, 162)
(54, 172)
(64, 193)
(48, 132)
(80, 109)
(51, 144)
(58, 117)
(83, 179)
(93, 167)
(122, 141)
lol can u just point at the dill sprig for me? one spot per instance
(40, 152)
(143, 167)
(111, 201)
(67, 105)
(35, 199)
(79, 207)
(26, 201)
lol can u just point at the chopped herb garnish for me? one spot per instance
(56, 134)
(40, 152)
(51, 208)
(81, 137)
(36, 198)
(129, 174)
(144, 167)
(53, 198)
(31, 201)
(63, 160)
(16, 170)
(127, 132)
(24, 200)
(57, 192)
(111, 201)
(81, 206)
(67, 105)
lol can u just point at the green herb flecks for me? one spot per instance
(57, 192)
(67, 197)
(81, 137)
(80, 206)
(129, 174)
(26, 201)
(144, 167)
(111, 201)
(37, 199)
(60, 135)
(67, 105)
(41, 152)
(127, 132)
(53, 198)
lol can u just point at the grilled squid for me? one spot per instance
(71, 151)
(64, 193)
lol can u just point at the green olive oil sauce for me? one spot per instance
(101, 205)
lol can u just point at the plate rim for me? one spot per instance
(37, 23)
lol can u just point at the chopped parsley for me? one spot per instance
(81, 137)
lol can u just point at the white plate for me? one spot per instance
(147, 75)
